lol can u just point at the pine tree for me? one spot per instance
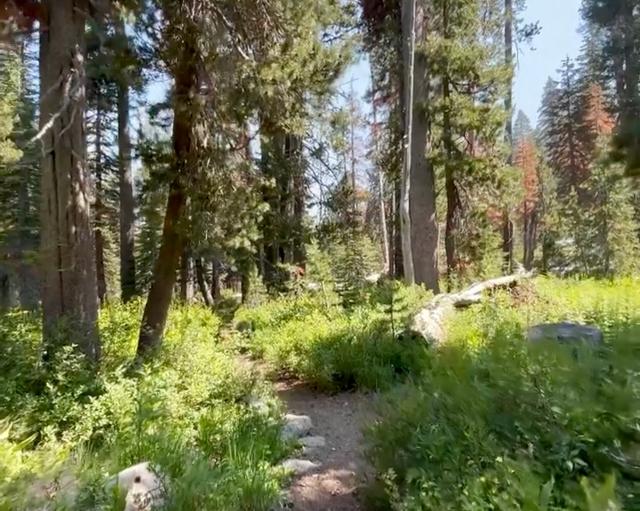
(67, 245)
(526, 160)
(561, 118)
(19, 160)
(619, 57)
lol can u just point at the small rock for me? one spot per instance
(143, 487)
(296, 426)
(566, 333)
(299, 467)
(313, 442)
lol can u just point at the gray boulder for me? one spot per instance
(566, 333)
(313, 442)
(296, 426)
(299, 467)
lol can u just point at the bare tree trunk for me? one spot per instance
(453, 200)
(28, 281)
(245, 286)
(216, 291)
(398, 259)
(186, 276)
(299, 199)
(530, 235)
(202, 283)
(381, 205)
(422, 193)
(172, 245)
(507, 224)
(67, 245)
(408, 60)
(127, 200)
(164, 273)
(5, 291)
(99, 205)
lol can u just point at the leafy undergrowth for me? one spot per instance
(495, 423)
(315, 339)
(65, 429)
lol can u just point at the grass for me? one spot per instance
(484, 422)
(185, 413)
(494, 423)
(332, 348)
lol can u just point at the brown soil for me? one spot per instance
(340, 419)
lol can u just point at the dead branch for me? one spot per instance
(430, 321)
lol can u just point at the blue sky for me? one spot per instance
(560, 21)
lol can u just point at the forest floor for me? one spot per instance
(339, 418)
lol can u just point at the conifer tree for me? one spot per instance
(67, 244)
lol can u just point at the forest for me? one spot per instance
(310, 254)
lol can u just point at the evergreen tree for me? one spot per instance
(618, 21)
(67, 244)
(19, 160)
(561, 118)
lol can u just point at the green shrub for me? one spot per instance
(184, 412)
(332, 348)
(495, 423)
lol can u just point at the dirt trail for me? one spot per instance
(339, 419)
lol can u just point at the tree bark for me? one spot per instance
(453, 200)
(422, 194)
(384, 235)
(245, 286)
(184, 147)
(216, 291)
(28, 281)
(127, 200)
(507, 224)
(408, 60)
(202, 283)
(430, 321)
(530, 235)
(186, 276)
(299, 201)
(99, 205)
(397, 257)
(67, 245)
(164, 273)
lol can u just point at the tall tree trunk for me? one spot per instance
(184, 146)
(397, 258)
(186, 276)
(28, 282)
(384, 235)
(127, 200)
(99, 205)
(164, 273)
(202, 282)
(507, 223)
(422, 192)
(67, 245)
(453, 200)
(245, 285)
(530, 235)
(272, 149)
(408, 59)
(216, 291)
(299, 199)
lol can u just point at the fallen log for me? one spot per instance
(430, 321)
